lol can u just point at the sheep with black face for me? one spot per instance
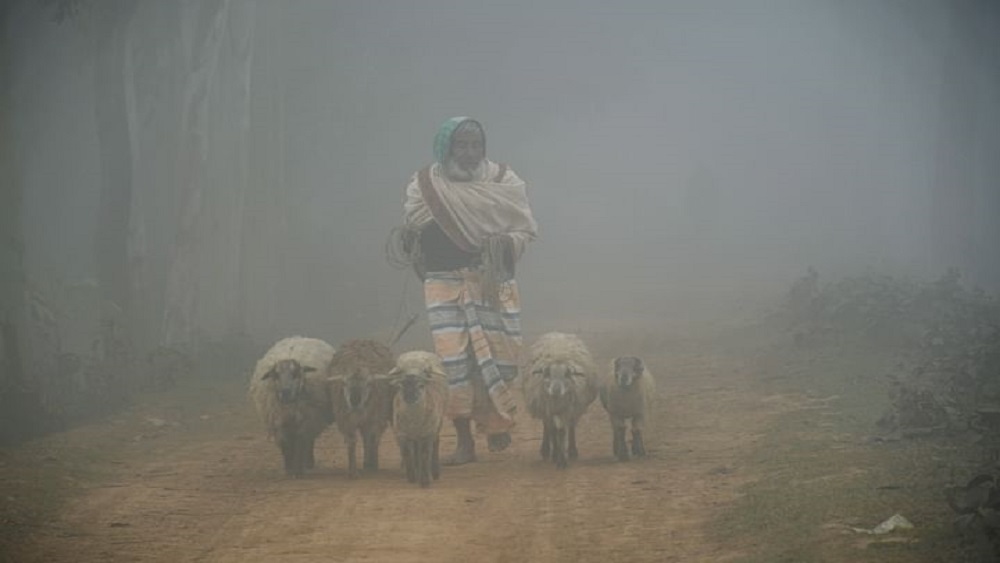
(418, 412)
(627, 394)
(288, 388)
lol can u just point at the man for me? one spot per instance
(471, 221)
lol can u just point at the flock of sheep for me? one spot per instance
(302, 385)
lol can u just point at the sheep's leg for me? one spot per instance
(413, 452)
(547, 431)
(371, 440)
(559, 446)
(618, 427)
(287, 446)
(622, 443)
(424, 455)
(435, 461)
(573, 453)
(409, 460)
(638, 446)
(402, 455)
(352, 461)
(616, 440)
(375, 444)
(301, 452)
(366, 455)
(308, 453)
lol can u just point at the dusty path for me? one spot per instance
(219, 495)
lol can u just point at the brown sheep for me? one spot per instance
(361, 397)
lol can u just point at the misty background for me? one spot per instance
(223, 167)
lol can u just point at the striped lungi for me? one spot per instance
(479, 346)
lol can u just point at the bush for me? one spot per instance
(951, 335)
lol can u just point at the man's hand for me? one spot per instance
(505, 243)
(504, 239)
(409, 238)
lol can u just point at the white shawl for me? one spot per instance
(470, 212)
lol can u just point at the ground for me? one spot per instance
(759, 452)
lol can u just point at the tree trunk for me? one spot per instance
(20, 404)
(242, 30)
(115, 150)
(11, 236)
(964, 199)
(202, 50)
(269, 222)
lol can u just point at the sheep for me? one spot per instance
(288, 388)
(560, 385)
(627, 393)
(361, 396)
(417, 413)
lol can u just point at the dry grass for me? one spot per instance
(817, 472)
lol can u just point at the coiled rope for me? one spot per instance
(403, 251)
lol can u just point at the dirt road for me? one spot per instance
(208, 486)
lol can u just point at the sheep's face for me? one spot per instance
(289, 379)
(557, 379)
(357, 390)
(627, 370)
(413, 373)
(411, 387)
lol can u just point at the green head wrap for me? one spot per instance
(442, 141)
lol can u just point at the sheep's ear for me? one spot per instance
(308, 369)
(395, 372)
(639, 366)
(269, 375)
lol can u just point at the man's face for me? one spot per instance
(468, 148)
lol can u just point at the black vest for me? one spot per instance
(440, 253)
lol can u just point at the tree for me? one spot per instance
(965, 185)
(173, 83)
(11, 246)
(17, 404)
(206, 275)
(111, 28)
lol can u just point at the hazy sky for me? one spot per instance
(666, 145)
(665, 137)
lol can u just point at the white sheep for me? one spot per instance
(561, 383)
(361, 397)
(627, 393)
(418, 411)
(288, 388)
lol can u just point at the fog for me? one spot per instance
(675, 153)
